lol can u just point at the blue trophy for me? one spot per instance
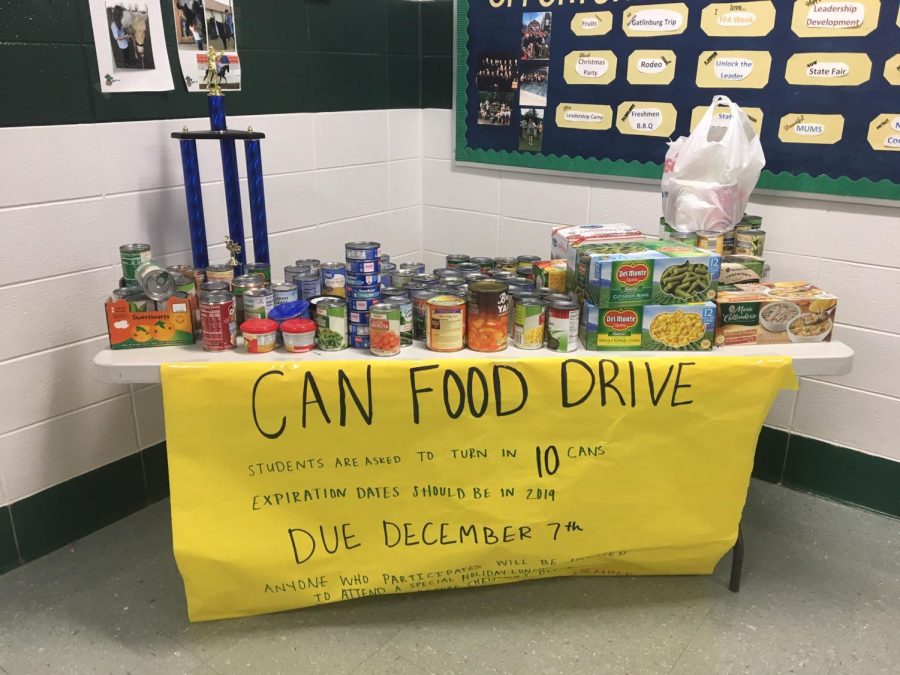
(219, 131)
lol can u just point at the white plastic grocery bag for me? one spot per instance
(708, 176)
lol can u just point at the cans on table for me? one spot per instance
(526, 262)
(456, 283)
(472, 277)
(750, 242)
(240, 285)
(311, 264)
(291, 271)
(728, 242)
(132, 257)
(506, 264)
(528, 329)
(520, 282)
(209, 286)
(488, 316)
(446, 323)
(711, 241)
(485, 265)
(414, 267)
(562, 325)
(453, 259)
(155, 281)
(284, 293)
(362, 250)
(502, 274)
(263, 268)
(384, 328)
(331, 324)
(334, 279)
(400, 297)
(217, 321)
(257, 303)
(361, 304)
(465, 268)
(420, 311)
(371, 279)
(446, 273)
(515, 294)
(224, 272)
(309, 285)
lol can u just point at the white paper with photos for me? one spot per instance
(199, 26)
(130, 45)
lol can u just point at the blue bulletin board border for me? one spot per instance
(768, 180)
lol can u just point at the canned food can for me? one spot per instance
(562, 326)
(400, 278)
(420, 311)
(139, 303)
(488, 316)
(309, 285)
(124, 292)
(361, 304)
(506, 264)
(425, 277)
(220, 273)
(312, 264)
(364, 292)
(515, 294)
(728, 241)
(527, 262)
(520, 282)
(257, 303)
(334, 279)
(291, 271)
(465, 268)
(503, 274)
(359, 341)
(485, 265)
(414, 267)
(132, 257)
(528, 330)
(446, 323)
(358, 328)
(472, 277)
(185, 270)
(363, 279)
(711, 241)
(526, 273)
(556, 297)
(456, 284)
(363, 266)
(384, 257)
(263, 268)
(240, 285)
(155, 281)
(384, 329)
(453, 259)
(392, 292)
(689, 238)
(750, 242)
(362, 250)
(331, 324)
(358, 317)
(284, 293)
(217, 321)
(387, 271)
(184, 283)
(751, 222)
(313, 302)
(413, 285)
(210, 286)
(406, 319)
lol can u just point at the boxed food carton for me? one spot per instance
(550, 274)
(646, 272)
(130, 327)
(564, 238)
(649, 327)
(773, 313)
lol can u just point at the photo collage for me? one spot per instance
(507, 81)
(199, 25)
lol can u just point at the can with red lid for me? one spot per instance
(299, 335)
(217, 321)
(259, 335)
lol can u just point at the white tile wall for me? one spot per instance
(75, 193)
(852, 250)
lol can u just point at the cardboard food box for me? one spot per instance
(130, 329)
(564, 238)
(646, 272)
(550, 274)
(649, 327)
(774, 313)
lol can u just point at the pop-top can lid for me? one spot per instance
(159, 285)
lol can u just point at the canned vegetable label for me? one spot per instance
(363, 279)
(363, 266)
(310, 285)
(420, 311)
(446, 323)
(331, 322)
(257, 303)
(562, 326)
(359, 317)
(132, 257)
(334, 279)
(750, 242)
(265, 269)
(488, 320)
(384, 329)
(218, 321)
(284, 293)
(528, 331)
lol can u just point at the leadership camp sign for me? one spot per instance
(305, 483)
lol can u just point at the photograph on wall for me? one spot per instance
(531, 129)
(495, 108)
(533, 83)
(131, 46)
(200, 26)
(536, 35)
(497, 72)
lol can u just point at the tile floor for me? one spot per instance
(821, 594)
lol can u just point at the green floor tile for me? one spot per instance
(437, 28)
(9, 556)
(437, 82)
(156, 471)
(771, 449)
(403, 27)
(356, 26)
(79, 506)
(403, 81)
(348, 81)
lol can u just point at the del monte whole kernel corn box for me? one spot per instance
(649, 327)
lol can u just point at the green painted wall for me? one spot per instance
(296, 56)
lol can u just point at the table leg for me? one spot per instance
(737, 563)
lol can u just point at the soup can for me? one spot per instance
(488, 316)
(465, 268)
(363, 266)
(217, 321)
(364, 292)
(453, 259)
(414, 267)
(359, 341)
(384, 329)
(400, 278)
(156, 282)
(562, 326)
(485, 265)
(331, 324)
(309, 285)
(133, 256)
(446, 323)
(420, 311)
(364, 279)
(220, 273)
(358, 317)
(711, 241)
(263, 268)
(334, 278)
(528, 329)
(527, 261)
(362, 250)
(506, 264)
(241, 285)
(284, 293)
(257, 303)
(361, 304)
(750, 242)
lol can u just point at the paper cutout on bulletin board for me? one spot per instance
(850, 69)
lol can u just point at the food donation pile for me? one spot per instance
(607, 287)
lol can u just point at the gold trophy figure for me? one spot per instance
(211, 78)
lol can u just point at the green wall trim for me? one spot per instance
(59, 515)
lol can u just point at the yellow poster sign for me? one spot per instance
(301, 483)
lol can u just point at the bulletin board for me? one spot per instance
(598, 86)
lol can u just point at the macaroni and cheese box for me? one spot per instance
(646, 272)
(129, 327)
(649, 327)
(774, 313)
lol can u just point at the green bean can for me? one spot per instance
(331, 324)
(132, 257)
(750, 242)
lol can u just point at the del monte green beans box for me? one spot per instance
(649, 327)
(646, 272)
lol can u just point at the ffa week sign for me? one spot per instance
(302, 483)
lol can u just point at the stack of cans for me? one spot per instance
(363, 288)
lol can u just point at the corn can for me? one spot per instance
(446, 323)
(711, 241)
(334, 279)
(528, 331)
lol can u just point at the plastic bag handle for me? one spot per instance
(737, 115)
